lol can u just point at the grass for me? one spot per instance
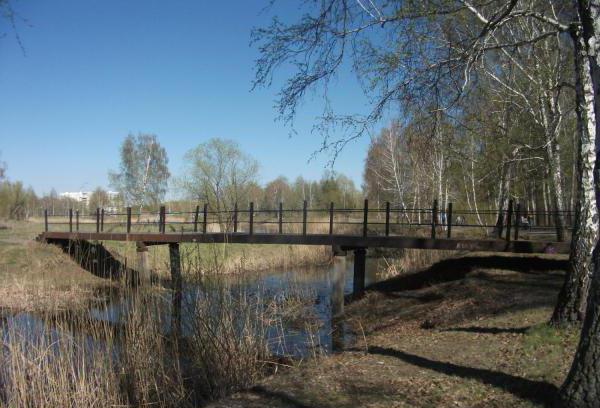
(76, 360)
(36, 276)
(471, 333)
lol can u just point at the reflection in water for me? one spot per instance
(313, 295)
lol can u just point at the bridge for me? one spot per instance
(507, 230)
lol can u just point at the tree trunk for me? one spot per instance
(571, 304)
(582, 386)
(555, 188)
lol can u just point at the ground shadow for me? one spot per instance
(489, 330)
(96, 259)
(540, 392)
(458, 268)
(281, 396)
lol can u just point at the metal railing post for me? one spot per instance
(365, 217)
(163, 212)
(251, 220)
(387, 219)
(204, 217)
(434, 214)
(509, 219)
(304, 216)
(97, 220)
(280, 217)
(517, 220)
(128, 220)
(70, 220)
(449, 220)
(235, 217)
(331, 218)
(196, 215)
(46, 219)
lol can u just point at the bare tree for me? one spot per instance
(218, 173)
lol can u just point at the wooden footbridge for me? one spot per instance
(508, 230)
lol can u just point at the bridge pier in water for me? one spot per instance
(142, 262)
(177, 287)
(337, 282)
(360, 261)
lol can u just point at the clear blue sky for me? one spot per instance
(94, 71)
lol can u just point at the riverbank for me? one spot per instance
(467, 332)
(200, 259)
(36, 277)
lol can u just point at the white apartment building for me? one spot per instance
(83, 197)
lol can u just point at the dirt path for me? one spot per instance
(475, 338)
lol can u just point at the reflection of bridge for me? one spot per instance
(343, 229)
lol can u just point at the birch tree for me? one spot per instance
(143, 174)
(582, 386)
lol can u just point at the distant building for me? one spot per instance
(83, 197)
(79, 196)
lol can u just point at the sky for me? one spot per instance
(90, 72)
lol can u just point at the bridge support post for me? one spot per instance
(338, 275)
(360, 258)
(176, 281)
(142, 263)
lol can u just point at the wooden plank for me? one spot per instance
(346, 242)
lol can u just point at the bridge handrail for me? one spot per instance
(374, 221)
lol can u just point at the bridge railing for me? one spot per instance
(434, 222)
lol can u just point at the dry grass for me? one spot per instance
(73, 359)
(36, 276)
(472, 333)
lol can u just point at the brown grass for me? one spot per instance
(469, 334)
(37, 276)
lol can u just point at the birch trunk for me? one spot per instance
(582, 386)
(571, 304)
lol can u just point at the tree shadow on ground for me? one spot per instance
(455, 291)
(539, 392)
(458, 268)
(489, 330)
(281, 396)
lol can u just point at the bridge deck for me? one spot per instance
(343, 241)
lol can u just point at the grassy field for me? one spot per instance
(466, 332)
